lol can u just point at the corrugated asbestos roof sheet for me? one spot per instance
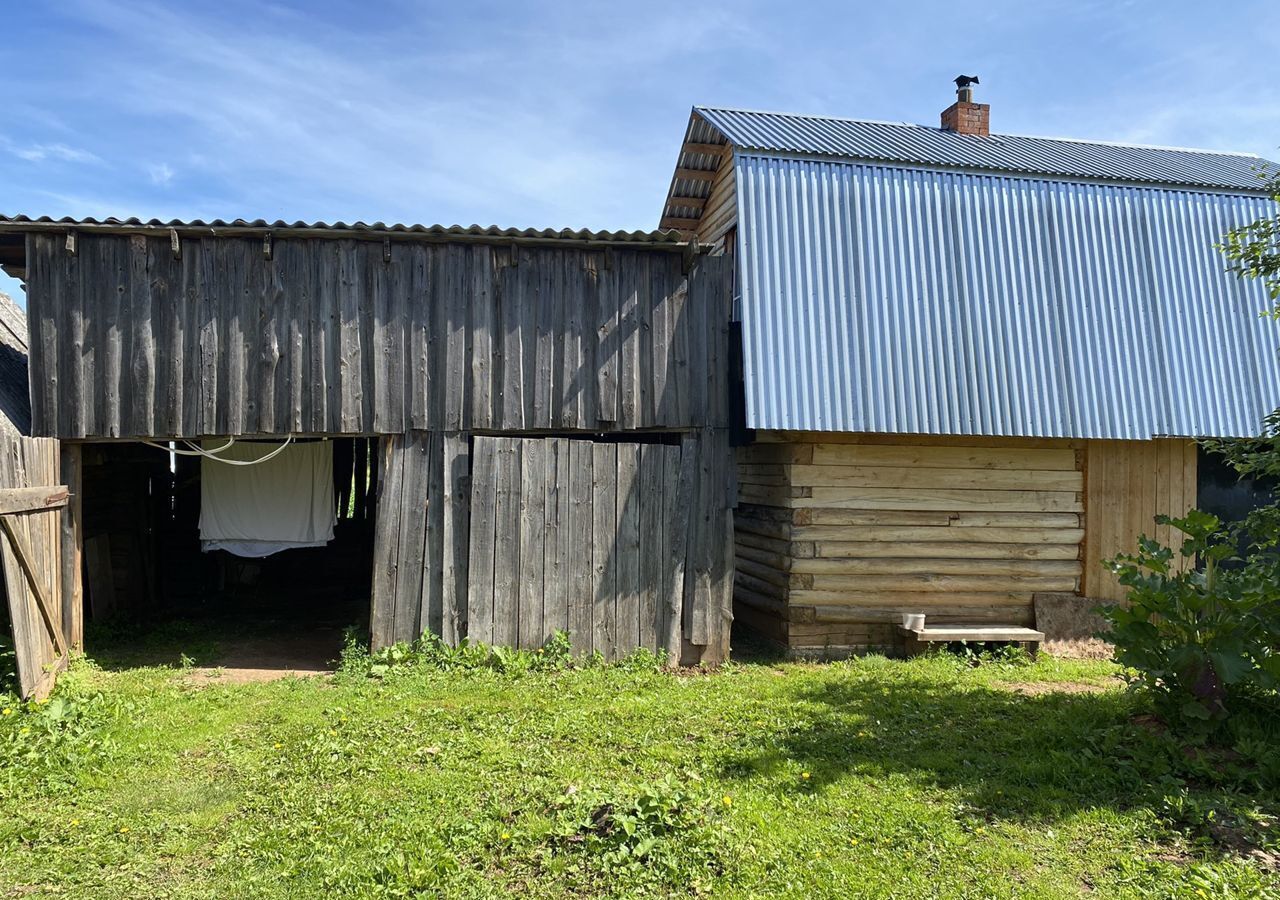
(918, 144)
(887, 299)
(337, 229)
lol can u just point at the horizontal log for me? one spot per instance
(685, 174)
(760, 571)
(780, 562)
(1037, 568)
(917, 457)
(927, 582)
(977, 519)
(952, 533)
(942, 550)
(760, 542)
(713, 149)
(890, 476)
(923, 499)
(744, 579)
(921, 599)
(1005, 615)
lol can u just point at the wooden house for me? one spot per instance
(529, 428)
(973, 364)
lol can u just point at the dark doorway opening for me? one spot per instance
(156, 594)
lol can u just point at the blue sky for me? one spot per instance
(559, 114)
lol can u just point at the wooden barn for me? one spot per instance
(973, 364)
(478, 433)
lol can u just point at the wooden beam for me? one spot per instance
(42, 602)
(680, 224)
(698, 202)
(694, 147)
(696, 174)
(32, 499)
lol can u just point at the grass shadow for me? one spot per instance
(1008, 755)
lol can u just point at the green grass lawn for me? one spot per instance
(929, 778)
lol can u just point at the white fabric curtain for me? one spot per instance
(278, 504)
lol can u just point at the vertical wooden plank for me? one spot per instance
(680, 468)
(455, 541)
(274, 413)
(413, 500)
(607, 355)
(381, 278)
(646, 399)
(167, 304)
(557, 558)
(71, 526)
(484, 321)
(351, 263)
(537, 277)
(660, 324)
(533, 531)
(480, 559)
(627, 549)
(509, 359)
(425, 334)
(680, 375)
(116, 274)
(72, 384)
(580, 565)
(506, 544)
(649, 492)
(230, 293)
(456, 397)
(210, 327)
(630, 264)
(187, 368)
(431, 601)
(698, 599)
(572, 371)
(604, 551)
(696, 314)
(386, 542)
(140, 350)
(44, 265)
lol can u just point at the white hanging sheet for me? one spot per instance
(284, 502)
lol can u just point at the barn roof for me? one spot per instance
(342, 229)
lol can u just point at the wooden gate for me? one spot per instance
(31, 522)
(605, 540)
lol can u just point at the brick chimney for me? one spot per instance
(964, 116)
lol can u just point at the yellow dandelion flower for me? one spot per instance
(124, 829)
(74, 822)
(333, 733)
(804, 775)
(728, 801)
(506, 835)
(6, 712)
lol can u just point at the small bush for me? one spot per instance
(1202, 637)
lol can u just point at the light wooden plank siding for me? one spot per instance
(836, 536)
(720, 214)
(1127, 484)
(344, 336)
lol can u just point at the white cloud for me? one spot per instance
(57, 152)
(161, 174)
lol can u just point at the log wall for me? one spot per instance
(837, 536)
(346, 336)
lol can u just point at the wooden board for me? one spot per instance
(32, 558)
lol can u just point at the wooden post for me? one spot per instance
(72, 582)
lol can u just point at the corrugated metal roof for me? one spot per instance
(338, 229)
(918, 144)
(889, 299)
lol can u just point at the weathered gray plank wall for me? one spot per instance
(622, 544)
(348, 336)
